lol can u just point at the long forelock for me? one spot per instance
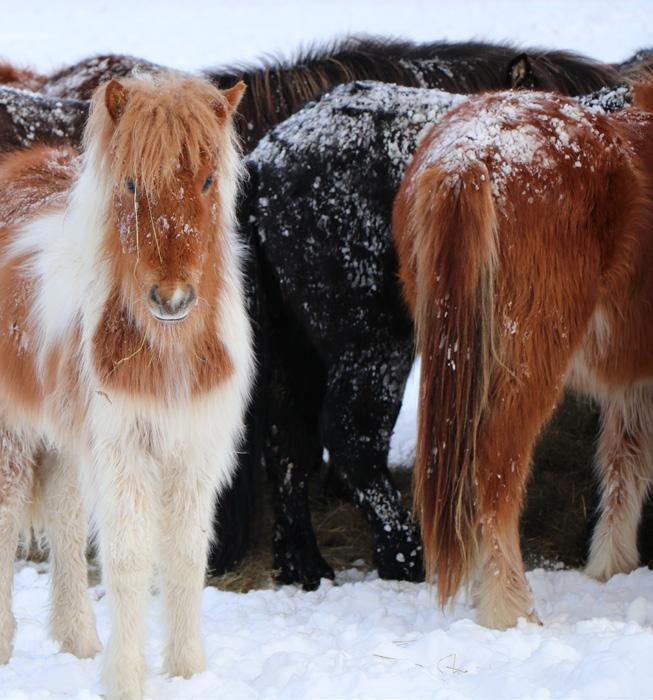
(169, 121)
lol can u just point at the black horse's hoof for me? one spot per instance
(398, 555)
(399, 566)
(301, 567)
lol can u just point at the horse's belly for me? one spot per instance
(615, 353)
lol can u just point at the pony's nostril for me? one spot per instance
(190, 295)
(154, 295)
(181, 298)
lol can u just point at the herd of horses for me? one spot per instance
(169, 326)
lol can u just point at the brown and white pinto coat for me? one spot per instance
(524, 227)
(125, 350)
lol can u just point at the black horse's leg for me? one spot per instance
(293, 448)
(364, 393)
(235, 506)
(292, 451)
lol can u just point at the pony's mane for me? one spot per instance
(279, 86)
(169, 119)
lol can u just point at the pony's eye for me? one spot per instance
(207, 183)
(131, 185)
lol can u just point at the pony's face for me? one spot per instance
(166, 239)
(169, 200)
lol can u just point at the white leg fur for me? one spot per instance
(188, 504)
(128, 495)
(9, 527)
(502, 593)
(16, 479)
(625, 469)
(72, 622)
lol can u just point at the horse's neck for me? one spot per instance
(279, 91)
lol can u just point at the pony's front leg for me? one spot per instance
(625, 469)
(188, 503)
(16, 478)
(127, 489)
(72, 622)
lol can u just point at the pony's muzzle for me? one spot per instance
(173, 306)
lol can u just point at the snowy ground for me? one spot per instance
(361, 638)
(367, 638)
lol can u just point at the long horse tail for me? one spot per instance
(454, 223)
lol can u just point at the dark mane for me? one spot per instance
(278, 87)
(638, 67)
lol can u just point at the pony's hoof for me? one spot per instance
(82, 648)
(118, 690)
(185, 664)
(76, 635)
(604, 570)
(534, 618)
(503, 617)
(5, 652)
(6, 641)
(123, 674)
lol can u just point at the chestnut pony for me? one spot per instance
(524, 227)
(124, 335)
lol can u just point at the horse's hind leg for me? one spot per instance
(504, 449)
(364, 393)
(625, 469)
(72, 622)
(525, 386)
(294, 391)
(16, 479)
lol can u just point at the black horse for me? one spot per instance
(27, 118)
(340, 340)
(276, 90)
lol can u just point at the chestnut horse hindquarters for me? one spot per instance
(572, 242)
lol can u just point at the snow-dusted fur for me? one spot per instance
(524, 233)
(139, 406)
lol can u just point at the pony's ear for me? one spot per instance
(520, 72)
(115, 99)
(233, 96)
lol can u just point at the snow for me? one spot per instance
(361, 637)
(197, 33)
